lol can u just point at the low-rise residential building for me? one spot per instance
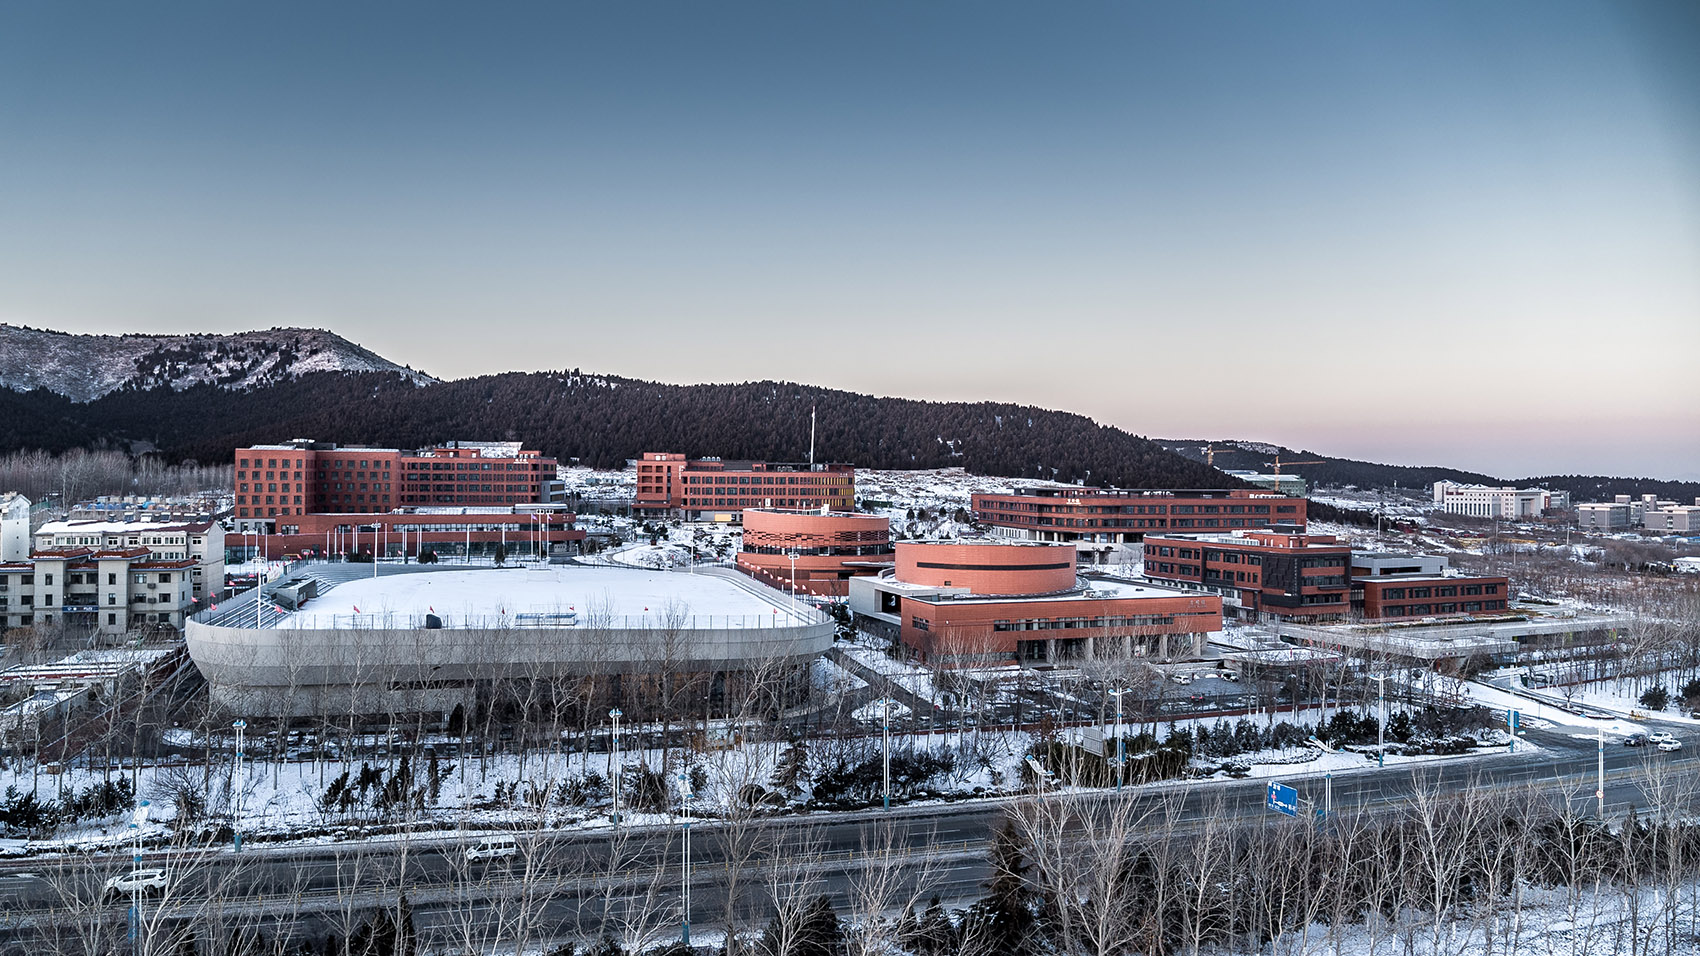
(198, 543)
(1281, 573)
(14, 526)
(716, 489)
(111, 591)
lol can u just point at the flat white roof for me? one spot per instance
(489, 596)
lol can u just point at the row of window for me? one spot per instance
(1422, 610)
(994, 505)
(1445, 590)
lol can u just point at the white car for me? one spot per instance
(1669, 745)
(1660, 736)
(150, 881)
(492, 848)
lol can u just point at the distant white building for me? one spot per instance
(1603, 516)
(1482, 501)
(1285, 484)
(14, 526)
(1670, 518)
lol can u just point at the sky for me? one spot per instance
(1441, 233)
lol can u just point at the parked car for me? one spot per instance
(150, 880)
(492, 848)
(1669, 745)
(1660, 736)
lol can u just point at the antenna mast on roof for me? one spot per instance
(811, 438)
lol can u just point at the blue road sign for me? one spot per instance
(1283, 799)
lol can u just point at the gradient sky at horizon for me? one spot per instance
(1449, 233)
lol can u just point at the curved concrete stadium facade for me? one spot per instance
(386, 658)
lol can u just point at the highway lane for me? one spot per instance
(589, 874)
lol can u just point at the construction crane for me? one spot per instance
(1278, 463)
(1209, 455)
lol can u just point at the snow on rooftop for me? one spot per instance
(492, 596)
(118, 527)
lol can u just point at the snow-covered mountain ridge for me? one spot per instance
(85, 367)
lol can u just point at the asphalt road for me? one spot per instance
(571, 881)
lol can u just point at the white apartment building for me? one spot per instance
(14, 526)
(113, 577)
(1607, 516)
(1482, 501)
(1669, 518)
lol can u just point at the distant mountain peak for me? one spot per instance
(86, 367)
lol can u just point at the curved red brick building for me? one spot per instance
(957, 603)
(830, 548)
(987, 569)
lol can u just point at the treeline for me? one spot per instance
(78, 474)
(603, 421)
(1343, 472)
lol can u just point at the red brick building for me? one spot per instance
(1414, 597)
(828, 547)
(444, 531)
(962, 604)
(1101, 522)
(303, 478)
(716, 489)
(1280, 573)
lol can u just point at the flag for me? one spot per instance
(357, 609)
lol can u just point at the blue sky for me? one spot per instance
(1439, 233)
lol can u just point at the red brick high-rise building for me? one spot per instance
(717, 489)
(278, 482)
(1102, 522)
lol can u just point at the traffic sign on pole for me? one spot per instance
(1282, 799)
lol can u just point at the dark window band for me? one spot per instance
(992, 567)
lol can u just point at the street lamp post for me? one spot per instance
(614, 774)
(236, 788)
(887, 758)
(685, 795)
(136, 820)
(1121, 746)
(1381, 723)
(792, 556)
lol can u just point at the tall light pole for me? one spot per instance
(614, 773)
(136, 820)
(1600, 794)
(1121, 746)
(1381, 724)
(236, 788)
(685, 856)
(887, 759)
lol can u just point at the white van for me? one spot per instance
(492, 848)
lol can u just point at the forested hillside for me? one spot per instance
(1343, 472)
(603, 421)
